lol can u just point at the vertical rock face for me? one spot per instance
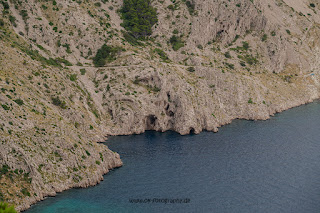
(223, 21)
(203, 100)
(229, 60)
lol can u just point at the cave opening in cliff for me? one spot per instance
(192, 131)
(150, 122)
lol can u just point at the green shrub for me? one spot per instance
(62, 60)
(25, 192)
(264, 37)
(24, 14)
(129, 38)
(12, 19)
(19, 101)
(4, 170)
(175, 31)
(50, 61)
(101, 156)
(5, 107)
(231, 66)
(5, 5)
(227, 55)
(191, 7)
(67, 46)
(83, 71)
(176, 42)
(1, 22)
(251, 60)
(245, 45)
(5, 208)
(138, 17)
(154, 88)
(171, 7)
(73, 77)
(105, 54)
(162, 54)
(34, 54)
(56, 101)
(191, 69)
(242, 63)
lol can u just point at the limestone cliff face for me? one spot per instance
(241, 59)
(44, 147)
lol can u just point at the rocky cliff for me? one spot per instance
(229, 60)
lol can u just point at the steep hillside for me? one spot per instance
(48, 136)
(205, 64)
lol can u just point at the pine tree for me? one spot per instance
(138, 17)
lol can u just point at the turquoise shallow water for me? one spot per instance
(248, 166)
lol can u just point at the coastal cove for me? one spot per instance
(248, 166)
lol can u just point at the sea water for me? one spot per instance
(248, 166)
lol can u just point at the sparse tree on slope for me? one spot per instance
(138, 17)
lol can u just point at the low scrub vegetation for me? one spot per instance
(191, 69)
(5, 208)
(56, 101)
(19, 101)
(176, 42)
(191, 7)
(162, 55)
(105, 54)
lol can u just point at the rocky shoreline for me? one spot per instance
(98, 177)
(92, 181)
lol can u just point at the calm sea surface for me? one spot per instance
(248, 166)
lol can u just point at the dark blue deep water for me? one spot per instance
(248, 166)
